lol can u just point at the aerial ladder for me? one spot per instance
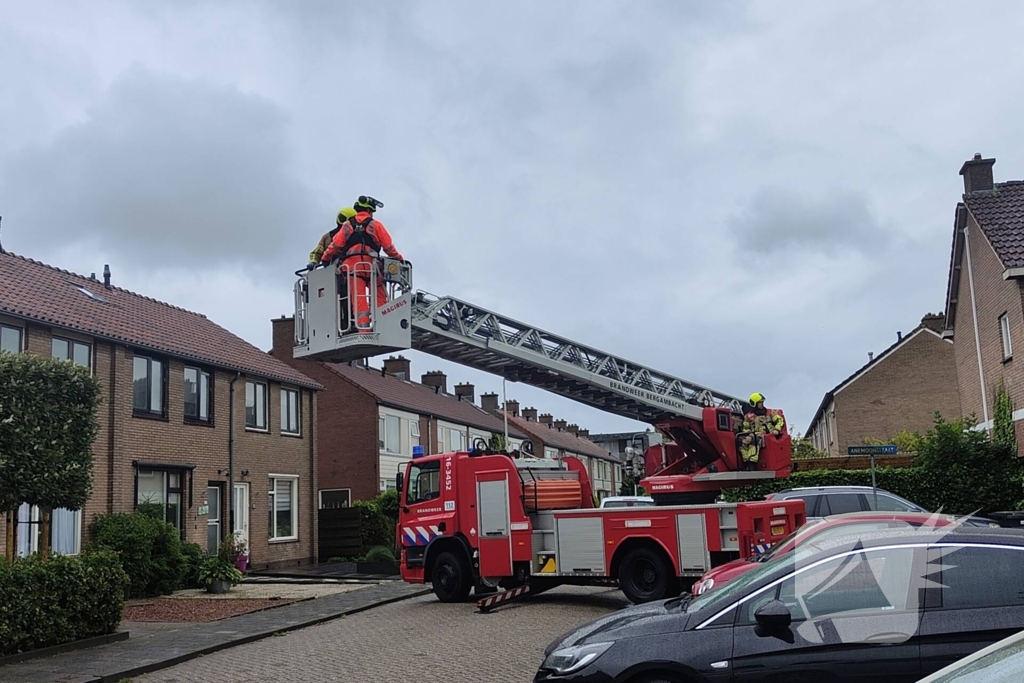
(698, 459)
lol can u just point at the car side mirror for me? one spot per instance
(773, 617)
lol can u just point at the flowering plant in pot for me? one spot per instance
(234, 551)
(218, 575)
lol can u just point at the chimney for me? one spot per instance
(544, 419)
(530, 414)
(583, 433)
(977, 174)
(400, 367)
(934, 322)
(436, 379)
(512, 407)
(106, 276)
(559, 425)
(466, 392)
(573, 429)
(489, 402)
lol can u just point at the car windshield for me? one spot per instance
(720, 597)
(1005, 665)
(776, 549)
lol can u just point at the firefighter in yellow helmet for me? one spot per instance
(328, 237)
(756, 423)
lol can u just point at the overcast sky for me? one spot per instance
(751, 196)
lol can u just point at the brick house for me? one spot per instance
(554, 439)
(984, 310)
(370, 419)
(168, 378)
(900, 388)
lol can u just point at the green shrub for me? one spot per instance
(380, 554)
(194, 557)
(59, 599)
(217, 569)
(378, 520)
(150, 551)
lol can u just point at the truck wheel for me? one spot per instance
(645, 575)
(451, 578)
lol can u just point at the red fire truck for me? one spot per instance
(482, 519)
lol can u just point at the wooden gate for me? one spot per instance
(339, 533)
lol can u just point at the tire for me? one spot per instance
(645, 575)
(450, 578)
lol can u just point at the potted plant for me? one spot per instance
(218, 575)
(233, 551)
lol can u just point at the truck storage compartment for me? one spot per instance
(552, 494)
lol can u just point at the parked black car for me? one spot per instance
(886, 606)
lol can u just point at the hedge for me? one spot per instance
(378, 519)
(150, 551)
(46, 602)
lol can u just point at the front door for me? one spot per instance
(214, 535)
(242, 514)
(493, 524)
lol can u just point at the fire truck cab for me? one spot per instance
(481, 519)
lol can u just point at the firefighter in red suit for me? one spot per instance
(358, 244)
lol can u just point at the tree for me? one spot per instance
(496, 442)
(626, 487)
(803, 448)
(1003, 433)
(48, 411)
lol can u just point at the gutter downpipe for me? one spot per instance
(977, 339)
(231, 453)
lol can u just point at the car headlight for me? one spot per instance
(568, 659)
(705, 586)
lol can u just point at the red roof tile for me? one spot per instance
(1000, 213)
(566, 441)
(42, 293)
(421, 399)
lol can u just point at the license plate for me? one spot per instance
(778, 530)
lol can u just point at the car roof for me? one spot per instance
(879, 515)
(818, 489)
(957, 535)
(627, 498)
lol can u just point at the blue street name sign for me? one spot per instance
(888, 449)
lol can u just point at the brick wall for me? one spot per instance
(124, 438)
(347, 446)
(901, 391)
(994, 296)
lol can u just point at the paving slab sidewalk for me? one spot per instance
(136, 656)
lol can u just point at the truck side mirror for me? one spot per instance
(399, 480)
(773, 619)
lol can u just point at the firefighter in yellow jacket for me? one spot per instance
(756, 423)
(328, 237)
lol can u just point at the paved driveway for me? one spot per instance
(414, 640)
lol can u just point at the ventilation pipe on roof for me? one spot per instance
(106, 275)
(1, 242)
(899, 335)
(871, 356)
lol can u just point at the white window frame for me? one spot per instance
(321, 492)
(414, 433)
(266, 411)
(272, 506)
(388, 484)
(285, 413)
(21, 335)
(1004, 333)
(383, 442)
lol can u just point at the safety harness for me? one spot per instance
(361, 237)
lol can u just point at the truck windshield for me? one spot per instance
(424, 482)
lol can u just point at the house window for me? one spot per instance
(74, 351)
(283, 522)
(550, 454)
(1004, 329)
(65, 530)
(389, 434)
(289, 411)
(456, 440)
(197, 395)
(161, 488)
(148, 386)
(10, 339)
(414, 432)
(256, 406)
(333, 499)
(387, 485)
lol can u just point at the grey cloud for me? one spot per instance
(162, 170)
(779, 219)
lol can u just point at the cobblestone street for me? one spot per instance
(414, 640)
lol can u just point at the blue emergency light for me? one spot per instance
(417, 451)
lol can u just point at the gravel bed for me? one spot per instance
(196, 609)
